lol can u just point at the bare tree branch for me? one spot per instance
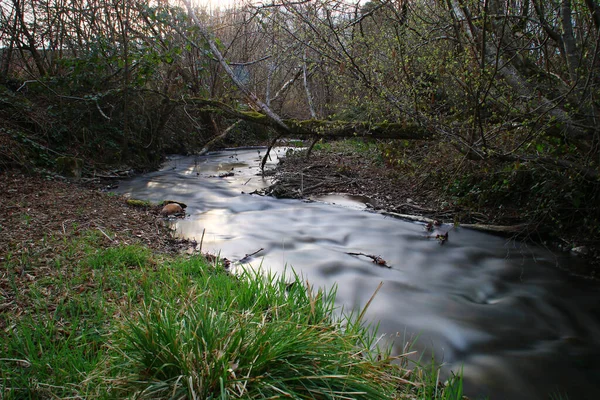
(217, 53)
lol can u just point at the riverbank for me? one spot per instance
(36, 209)
(359, 168)
(86, 278)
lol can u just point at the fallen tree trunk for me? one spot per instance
(294, 128)
(321, 128)
(503, 229)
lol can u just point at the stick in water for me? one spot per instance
(250, 255)
(376, 259)
(201, 240)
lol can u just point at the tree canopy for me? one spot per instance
(491, 77)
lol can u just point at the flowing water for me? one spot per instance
(500, 310)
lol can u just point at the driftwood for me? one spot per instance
(247, 256)
(503, 229)
(498, 228)
(408, 217)
(376, 259)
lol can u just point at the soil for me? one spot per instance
(328, 172)
(35, 210)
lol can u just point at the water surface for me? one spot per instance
(501, 310)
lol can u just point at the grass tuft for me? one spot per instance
(253, 337)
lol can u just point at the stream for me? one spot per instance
(500, 310)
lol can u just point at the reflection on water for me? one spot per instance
(499, 309)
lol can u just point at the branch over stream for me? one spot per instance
(320, 128)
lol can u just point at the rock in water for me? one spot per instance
(171, 209)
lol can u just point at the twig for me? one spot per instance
(25, 84)
(20, 362)
(104, 233)
(244, 259)
(201, 240)
(243, 64)
(376, 259)
(101, 112)
(313, 187)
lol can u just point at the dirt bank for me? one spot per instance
(35, 210)
(339, 170)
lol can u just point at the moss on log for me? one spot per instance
(323, 128)
(383, 130)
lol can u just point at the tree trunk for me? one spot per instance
(31, 44)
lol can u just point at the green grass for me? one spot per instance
(254, 337)
(124, 322)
